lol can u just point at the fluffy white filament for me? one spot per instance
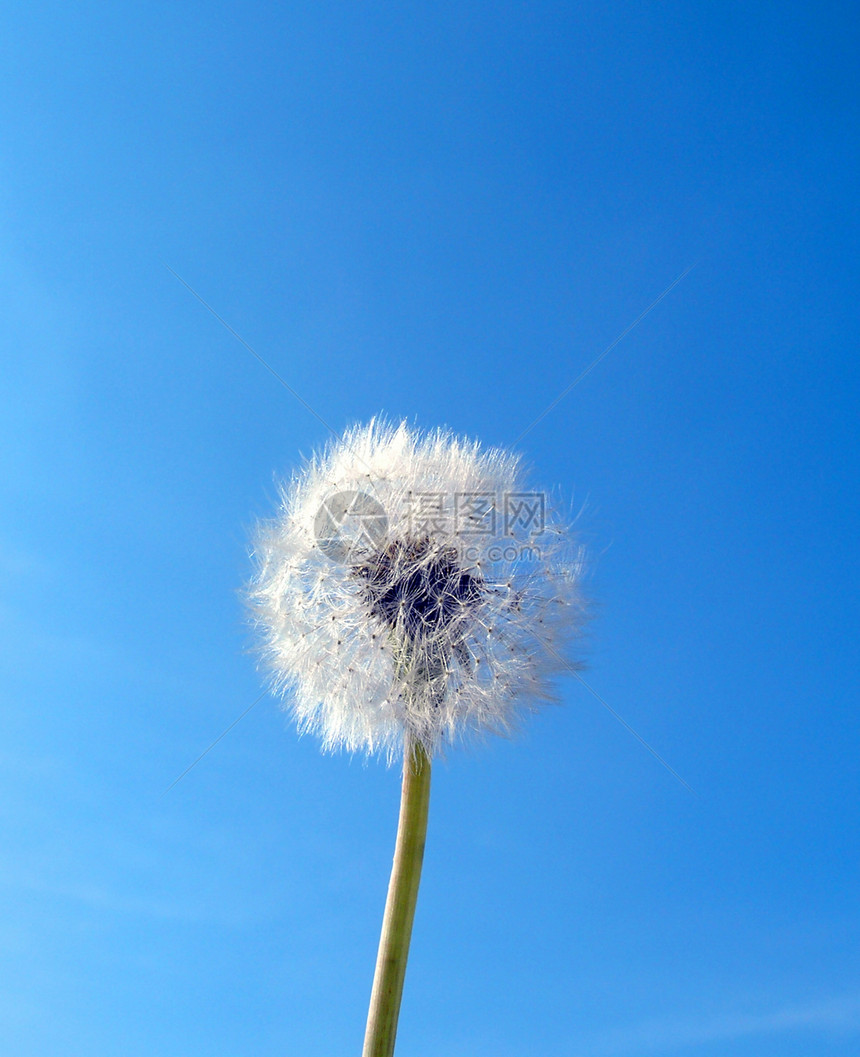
(401, 591)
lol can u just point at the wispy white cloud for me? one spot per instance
(839, 1014)
(225, 908)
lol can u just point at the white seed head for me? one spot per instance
(412, 589)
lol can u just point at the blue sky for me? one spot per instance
(443, 212)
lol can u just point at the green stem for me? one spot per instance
(399, 906)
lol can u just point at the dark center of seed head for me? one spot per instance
(415, 585)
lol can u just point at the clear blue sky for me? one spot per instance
(446, 212)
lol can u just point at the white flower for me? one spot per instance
(412, 588)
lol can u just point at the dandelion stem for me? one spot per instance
(400, 905)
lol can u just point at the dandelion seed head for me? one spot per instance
(399, 594)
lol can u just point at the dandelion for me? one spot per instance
(411, 593)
